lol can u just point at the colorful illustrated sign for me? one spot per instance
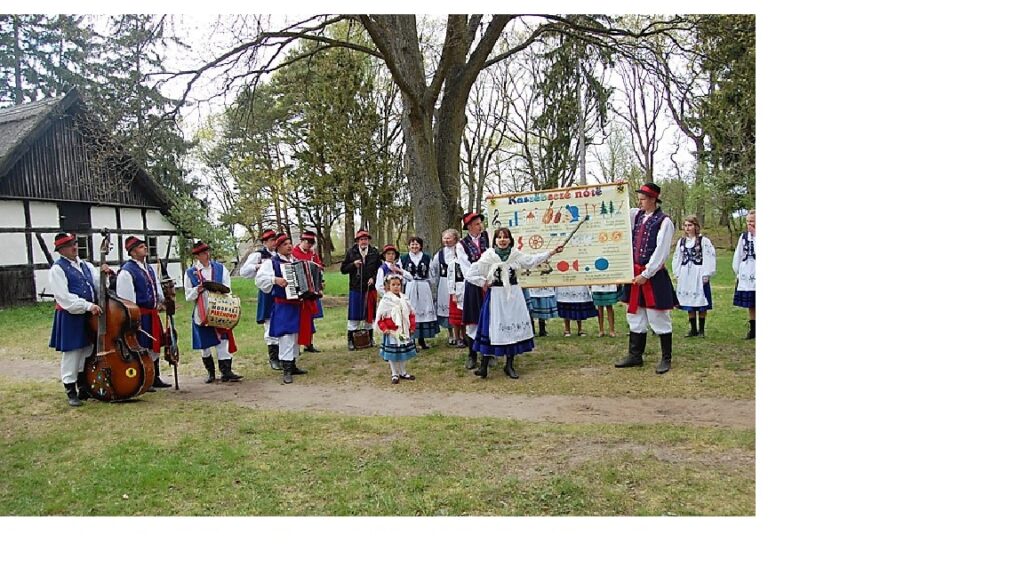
(592, 221)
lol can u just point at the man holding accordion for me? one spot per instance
(292, 319)
(304, 251)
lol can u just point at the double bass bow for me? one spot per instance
(120, 368)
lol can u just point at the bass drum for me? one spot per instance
(217, 310)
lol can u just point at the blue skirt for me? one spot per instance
(744, 298)
(576, 310)
(426, 330)
(707, 294)
(542, 307)
(70, 331)
(482, 343)
(392, 350)
(471, 303)
(319, 309)
(357, 305)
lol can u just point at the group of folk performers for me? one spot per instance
(468, 287)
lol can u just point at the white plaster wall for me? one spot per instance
(156, 221)
(115, 241)
(43, 283)
(174, 271)
(104, 217)
(38, 254)
(131, 219)
(12, 214)
(44, 215)
(12, 248)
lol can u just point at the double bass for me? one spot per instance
(120, 368)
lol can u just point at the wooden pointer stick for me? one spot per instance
(571, 234)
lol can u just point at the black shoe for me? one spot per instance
(158, 383)
(273, 350)
(225, 370)
(485, 362)
(510, 368)
(69, 389)
(351, 342)
(750, 333)
(287, 367)
(311, 349)
(543, 329)
(700, 326)
(666, 354)
(296, 370)
(635, 356)
(423, 344)
(693, 328)
(84, 389)
(471, 357)
(211, 372)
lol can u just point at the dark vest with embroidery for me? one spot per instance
(748, 247)
(471, 250)
(513, 280)
(144, 281)
(79, 279)
(695, 254)
(645, 235)
(419, 271)
(443, 265)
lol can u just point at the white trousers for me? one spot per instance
(358, 324)
(266, 334)
(659, 320)
(289, 344)
(73, 362)
(222, 351)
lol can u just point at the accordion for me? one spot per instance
(305, 280)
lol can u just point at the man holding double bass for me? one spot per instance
(137, 282)
(206, 274)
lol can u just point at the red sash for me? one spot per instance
(306, 310)
(634, 293)
(157, 333)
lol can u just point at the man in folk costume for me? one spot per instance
(304, 251)
(417, 264)
(206, 338)
(292, 320)
(650, 298)
(468, 251)
(137, 282)
(264, 301)
(75, 287)
(361, 263)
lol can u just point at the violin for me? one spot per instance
(120, 368)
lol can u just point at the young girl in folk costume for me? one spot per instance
(447, 281)
(505, 328)
(542, 305)
(693, 263)
(575, 303)
(206, 338)
(390, 266)
(605, 296)
(743, 261)
(396, 320)
(417, 289)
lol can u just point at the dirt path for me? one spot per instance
(365, 400)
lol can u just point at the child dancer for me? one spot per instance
(417, 289)
(447, 280)
(542, 305)
(743, 261)
(505, 328)
(396, 320)
(605, 297)
(693, 263)
(575, 303)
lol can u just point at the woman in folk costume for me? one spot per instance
(469, 250)
(574, 303)
(417, 265)
(743, 261)
(360, 263)
(693, 263)
(206, 338)
(137, 282)
(448, 283)
(75, 286)
(292, 320)
(543, 306)
(264, 301)
(396, 320)
(505, 328)
(304, 251)
(390, 266)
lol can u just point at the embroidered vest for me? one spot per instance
(512, 278)
(472, 251)
(278, 291)
(645, 235)
(419, 271)
(79, 279)
(218, 273)
(444, 267)
(144, 281)
(748, 247)
(695, 254)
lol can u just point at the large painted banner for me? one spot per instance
(595, 221)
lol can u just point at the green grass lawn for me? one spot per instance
(167, 455)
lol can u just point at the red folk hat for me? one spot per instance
(468, 218)
(651, 190)
(281, 237)
(267, 234)
(388, 247)
(200, 247)
(62, 239)
(307, 235)
(363, 234)
(131, 243)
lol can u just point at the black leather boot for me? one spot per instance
(471, 357)
(543, 328)
(351, 342)
(700, 326)
(423, 344)
(635, 356)
(287, 366)
(157, 382)
(750, 333)
(211, 372)
(311, 349)
(296, 370)
(69, 388)
(272, 351)
(485, 362)
(510, 368)
(666, 354)
(693, 328)
(225, 370)
(84, 391)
